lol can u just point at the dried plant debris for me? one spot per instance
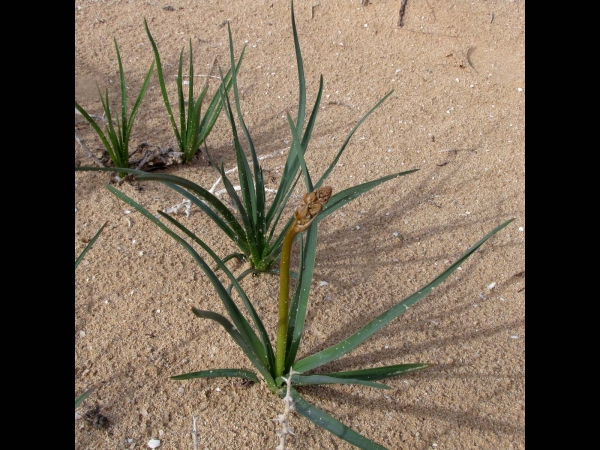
(155, 158)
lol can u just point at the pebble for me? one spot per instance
(153, 443)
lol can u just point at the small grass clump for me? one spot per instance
(193, 126)
(117, 141)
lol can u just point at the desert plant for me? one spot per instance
(117, 142)
(252, 226)
(277, 368)
(194, 128)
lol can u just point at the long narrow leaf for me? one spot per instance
(238, 319)
(233, 234)
(218, 373)
(375, 325)
(301, 296)
(264, 337)
(82, 397)
(380, 373)
(246, 183)
(313, 117)
(194, 124)
(341, 150)
(191, 103)
(114, 150)
(87, 247)
(97, 129)
(204, 194)
(123, 127)
(237, 337)
(259, 187)
(138, 101)
(278, 213)
(215, 106)
(297, 151)
(301, 80)
(249, 234)
(334, 426)
(181, 105)
(301, 380)
(347, 195)
(161, 82)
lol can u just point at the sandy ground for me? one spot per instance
(457, 114)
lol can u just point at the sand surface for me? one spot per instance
(457, 114)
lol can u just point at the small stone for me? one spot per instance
(153, 443)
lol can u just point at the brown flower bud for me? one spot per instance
(312, 204)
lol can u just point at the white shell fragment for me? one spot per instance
(323, 283)
(153, 443)
(492, 285)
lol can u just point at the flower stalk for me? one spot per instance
(312, 204)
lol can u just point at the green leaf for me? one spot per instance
(347, 195)
(229, 220)
(215, 106)
(301, 81)
(299, 380)
(341, 150)
(301, 296)
(237, 337)
(372, 327)
(87, 247)
(218, 373)
(96, 128)
(264, 337)
(238, 319)
(161, 82)
(313, 117)
(138, 101)
(380, 373)
(258, 199)
(297, 152)
(246, 184)
(332, 425)
(82, 397)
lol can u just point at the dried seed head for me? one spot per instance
(312, 204)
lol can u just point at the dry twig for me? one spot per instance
(90, 154)
(401, 15)
(284, 418)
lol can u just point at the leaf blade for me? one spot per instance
(334, 426)
(218, 373)
(380, 373)
(89, 245)
(343, 347)
(305, 380)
